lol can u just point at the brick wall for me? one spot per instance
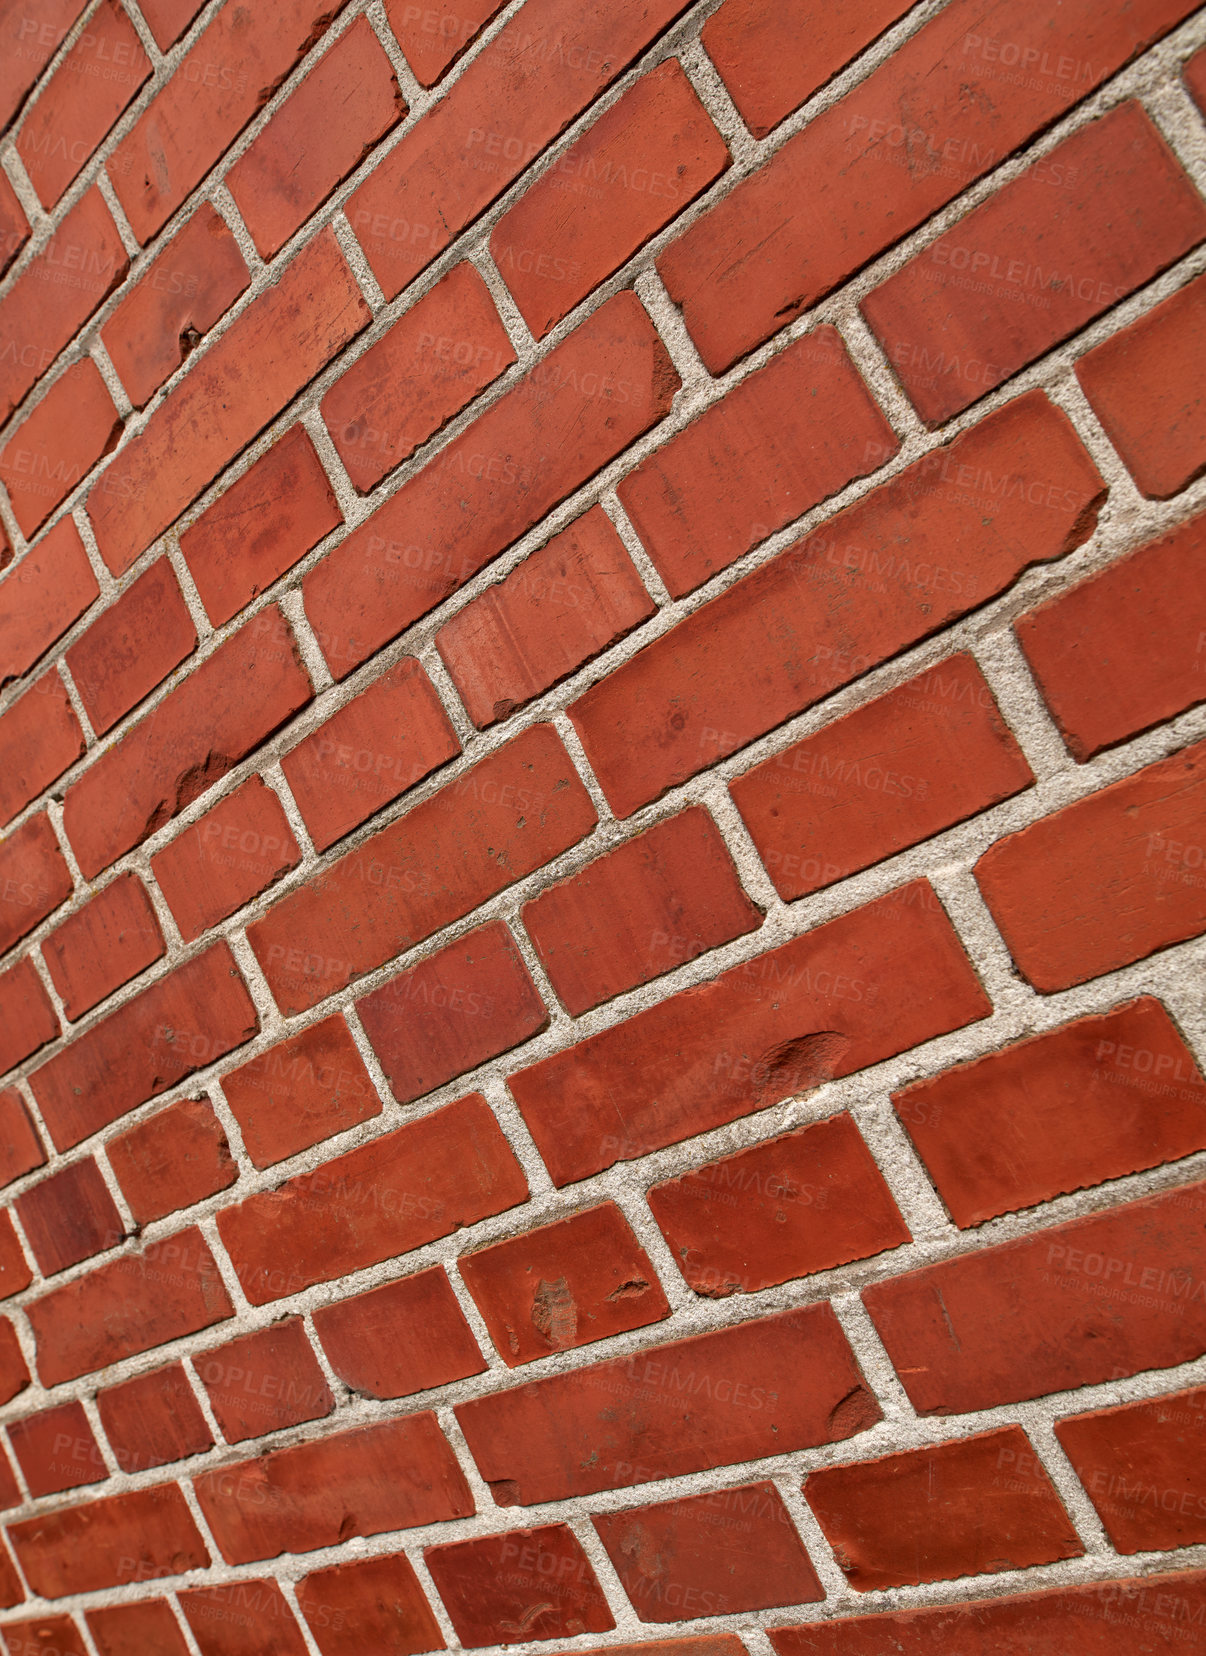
(603, 851)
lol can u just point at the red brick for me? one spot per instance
(941, 111)
(564, 1285)
(1097, 1299)
(34, 878)
(873, 983)
(523, 1585)
(1144, 385)
(372, 750)
(316, 138)
(434, 1176)
(431, 364)
(225, 77)
(10, 1492)
(145, 1628)
(264, 1381)
(57, 1450)
(174, 1158)
(27, 1019)
(541, 70)
(14, 1377)
(132, 646)
(15, 1273)
(1095, 219)
(45, 594)
(573, 412)
(1093, 1100)
(971, 1507)
(225, 858)
(500, 820)
(940, 539)
(136, 1302)
(1107, 880)
(76, 107)
(800, 1203)
(14, 226)
(20, 1147)
(457, 1009)
(138, 1536)
(1121, 651)
(710, 1555)
(246, 1618)
(184, 1021)
(203, 727)
(369, 1604)
(55, 293)
(57, 445)
(564, 604)
(434, 36)
(69, 1217)
(1143, 1466)
(783, 440)
(647, 159)
(774, 54)
(666, 896)
(153, 1419)
(174, 303)
(103, 945)
(273, 349)
(280, 508)
(405, 1337)
(39, 737)
(390, 1476)
(26, 51)
(770, 1387)
(929, 754)
(48, 1636)
(168, 19)
(300, 1092)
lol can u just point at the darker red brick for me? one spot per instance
(405, 1337)
(246, 1618)
(132, 647)
(144, 1628)
(1093, 1100)
(1097, 1299)
(504, 817)
(14, 1377)
(977, 1505)
(433, 37)
(373, 749)
(1144, 383)
(929, 754)
(153, 1419)
(666, 896)
(45, 594)
(710, 1555)
(369, 1604)
(941, 538)
(316, 138)
(27, 1019)
(15, 1272)
(875, 982)
(20, 1147)
(1143, 1465)
(800, 1203)
(391, 1476)
(34, 878)
(564, 1285)
(39, 737)
(10, 1496)
(281, 507)
(306, 1089)
(571, 413)
(26, 51)
(138, 1536)
(174, 1158)
(523, 1585)
(136, 1302)
(69, 1216)
(103, 945)
(426, 368)
(174, 303)
(563, 604)
(56, 446)
(264, 1381)
(225, 858)
(457, 1009)
(205, 725)
(1107, 880)
(427, 1179)
(47, 1636)
(57, 1450)
(179, 1025)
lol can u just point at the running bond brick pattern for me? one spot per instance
(602, 827)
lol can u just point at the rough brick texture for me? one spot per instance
(602, 827)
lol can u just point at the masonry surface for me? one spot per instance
(602, 827)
